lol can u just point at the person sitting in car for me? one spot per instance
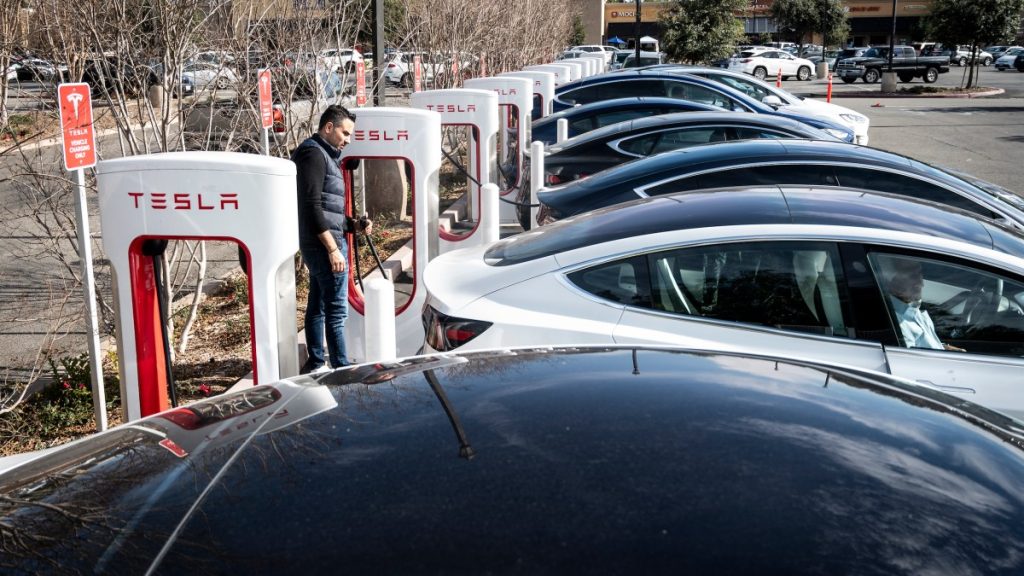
(905, 285)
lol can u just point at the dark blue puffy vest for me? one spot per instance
(332, 200)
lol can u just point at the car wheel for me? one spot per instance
(350, 67)
(406, 80)
(906, 77)
(222, 83)
(871, 76)
(962, 61)
(931, 75)
(849, 80)
(760, 73)
(804, 73)
(986, 61)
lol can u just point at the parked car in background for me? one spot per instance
(646, 59)
(605, 51)
(618, 57)
(675, 84)
(772, 62)
(779, 98)
(39, 70)
(801, 271)
(845, 53)
(1007, 58)
(209, 75)
(591, 459)
(964, 56)
(11, 72)
(587, 117)
(340, 60)
(998, 51)
(905, 62)
(779, 162)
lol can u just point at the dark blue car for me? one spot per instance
(779, 162)
(589, 117)
(664, 83)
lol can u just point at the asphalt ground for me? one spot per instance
(980, 136)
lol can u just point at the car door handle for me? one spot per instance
(950, 389)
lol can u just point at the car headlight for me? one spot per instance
(840, 134)
(855, 118)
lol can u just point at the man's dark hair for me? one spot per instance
(334, 114)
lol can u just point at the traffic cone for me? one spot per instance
(828, 94)
(778, 79)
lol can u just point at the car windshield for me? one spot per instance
(876, 53)
(996, 191)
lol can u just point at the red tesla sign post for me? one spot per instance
(417, 73)
(75, 103)
(266, 107)
(360, 84)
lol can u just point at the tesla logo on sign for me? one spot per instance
(76, 126)
(183, 201)
(266, 99)
(380, 135)
(451, 107)
(506, 92)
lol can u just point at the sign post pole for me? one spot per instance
(80, 153)
(266, 107)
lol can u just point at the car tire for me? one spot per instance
(760, 73)
(406, 80)
(871, 76)
(222, 83)
(849, 80)
(962, 61)
(803, 74)
(986, 61)
(931, 75)
(906, 77)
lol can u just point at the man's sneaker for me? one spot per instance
(320, 370)
(308, 367)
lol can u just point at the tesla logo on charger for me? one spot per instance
(183, 201)
(506, 91)
(380, 135)
(452, 107)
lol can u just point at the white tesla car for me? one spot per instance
(852, 277)
(777, 98)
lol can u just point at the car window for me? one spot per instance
(582, 95)
(631, 88)
(787, 285)
(673, 139)
(614, 117)
(759, 133)
(750, 89)
(810, 175)
(953, 306)
(869, 179)
(701, 95)
(623, 281)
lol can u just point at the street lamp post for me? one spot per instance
(636, 32)
(892, 37)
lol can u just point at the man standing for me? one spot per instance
(322, 228)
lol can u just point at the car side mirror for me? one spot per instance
(772, 100)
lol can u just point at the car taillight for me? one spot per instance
(446, 333)
(392, 65)
(745, 60)
(279, 127)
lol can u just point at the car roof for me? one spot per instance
(758, 205)
(623, 103)
(687, 118)
(656, 74)
(762, 151)
(567, 459)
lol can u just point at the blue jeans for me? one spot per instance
(327, 306)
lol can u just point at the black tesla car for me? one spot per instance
(589, 117)
(578, 460)
(612, 145)
(794, 162)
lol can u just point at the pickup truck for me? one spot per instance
(905, 62)
(229, 119)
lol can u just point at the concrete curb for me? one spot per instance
(879, 94)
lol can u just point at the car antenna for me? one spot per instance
(465, 450)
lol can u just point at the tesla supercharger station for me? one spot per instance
(412, 136)
(477, 110)
(575, 69)
(599, 63)
(515, 97)
(561, 72)
(543, 90)
(243, 198)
